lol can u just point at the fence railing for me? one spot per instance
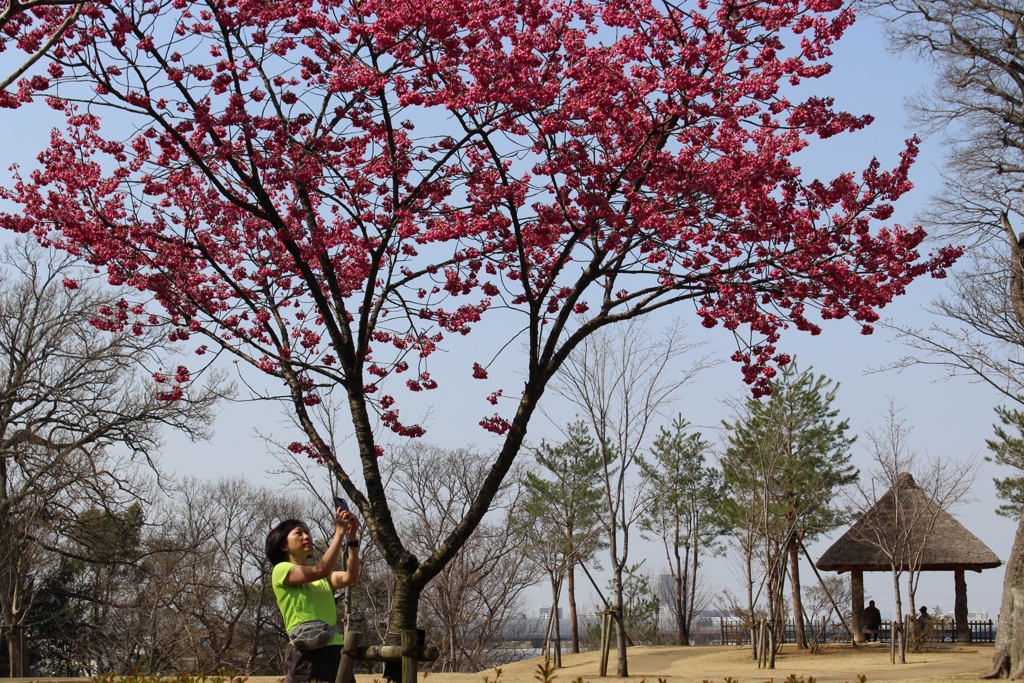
(734, 633)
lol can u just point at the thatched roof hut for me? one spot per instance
(907, 529)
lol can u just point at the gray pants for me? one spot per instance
(311, 665)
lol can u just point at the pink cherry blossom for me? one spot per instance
(329, 190)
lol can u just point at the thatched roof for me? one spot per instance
(908, 528)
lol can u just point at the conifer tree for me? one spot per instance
(564, 497)
(789, 452)
(1008, 450)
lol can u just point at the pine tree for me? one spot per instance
(1009, 450)
(564, 499)
(788, 452)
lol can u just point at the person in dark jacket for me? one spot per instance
(872, 621)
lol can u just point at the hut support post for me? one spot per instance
(963, 629)
(857, 605)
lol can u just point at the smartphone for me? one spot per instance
(340, 503)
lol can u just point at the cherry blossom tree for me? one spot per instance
(331, 191)
(34, 26)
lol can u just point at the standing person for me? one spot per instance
(921, 625)
(305, 595)
(872, 621)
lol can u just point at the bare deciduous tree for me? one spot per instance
(186, 590)
(465, 605)
(976, 47)
(686, 515)
(822, 598)
(622, 380)
(225, 593)
(749, 473)
(743, 515)
(78, 412)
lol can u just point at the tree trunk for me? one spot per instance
(798, 606)
(574, 623)
(405, 604)
(692, 594)
(1007, 660)
(16, 651)
(749, 561)
(776, 615)
(404, 607)
(901, 632)
(680, 610)
(622, 668)
(679, 589)
(911, 594)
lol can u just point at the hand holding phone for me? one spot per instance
(340, 503)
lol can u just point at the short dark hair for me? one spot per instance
(277, 537)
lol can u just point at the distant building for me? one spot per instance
(545, 612)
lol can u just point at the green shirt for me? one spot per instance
(304, 602)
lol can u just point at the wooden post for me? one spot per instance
(963, 629)
(762, 644)
(759, 632)
(346, 670)
(892, 640)
(767, 640)
(908, 635)
(548, 641)
(857, 605)
(393, 653)
(410, 646)
(606, 641)
(407, 655)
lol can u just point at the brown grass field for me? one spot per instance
(840, 663)
(946, 663)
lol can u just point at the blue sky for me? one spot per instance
(950, 418)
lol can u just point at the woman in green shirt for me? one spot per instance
(305, 592)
